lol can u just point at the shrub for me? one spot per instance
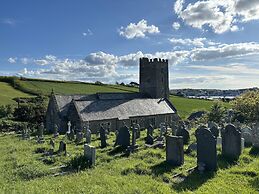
(9, 125)
(246, 106)
(217, 112)
(6, 111)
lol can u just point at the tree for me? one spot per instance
(217, 112)
(246, 106)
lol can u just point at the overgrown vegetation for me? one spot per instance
(246, 107)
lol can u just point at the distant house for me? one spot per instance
(149, 106)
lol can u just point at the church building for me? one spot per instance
(150, 105)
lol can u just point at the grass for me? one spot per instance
(45, 87)
(186, 106)
(7, 93)
(24, 169)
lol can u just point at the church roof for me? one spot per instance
(122, 108)
(103, 106)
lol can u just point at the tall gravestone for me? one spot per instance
(123, 138)
(90, 154)
(231, 142)
(40, 133)
(182, 131)
(88, 135)
(206, 149)
(255, 135)
(246, 133)
(150, 130)
(55, 131)
(62, 147)
(137, 128)
(174, 150)
(103, 137)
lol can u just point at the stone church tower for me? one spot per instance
(154, 78)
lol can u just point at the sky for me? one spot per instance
(209, 44)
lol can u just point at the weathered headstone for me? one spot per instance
(88, 135)
(25, 132)
(150, 130)
(162, 132)
(52, 147)
(246, 133)
(206, 149)
(40, 133)
(174, 150)
(214, 128)
(255, 135)
(55, 131)
(90, 154)
(62, 147)
(79, 137)
(231, 142)
(149, 140)
(123, 138)
(137, 128)
(71, 135)
(103, 137)
(182, 131)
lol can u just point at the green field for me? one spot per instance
(7, 93)
(25, 169)
(45, 87)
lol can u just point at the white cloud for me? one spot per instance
(178, 6)
(138, 30)
(199, 42)
(221, 15)
(176, 25)
(25, 60)
(12, 60)
(8, 21)
(224, 51)
(87, 33)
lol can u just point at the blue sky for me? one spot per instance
(209, 44)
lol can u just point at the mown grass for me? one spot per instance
(24, 169)
(7, 93)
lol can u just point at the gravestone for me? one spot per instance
(162, 132)
(137, 128)
(103, 137)
(231, 142)
(68, 127)
(182, 131)
(52, 147)
(62, 147)
(40, 133)
(123, 138)
(90, 154)
(174, 150)
(150, 130)
(246, 133)
(134, 136)
(25, 132)
(88, 135)
(255, 135)
(79, 137)
(55, 131)
(191, 147)
(149, 140)
(71, 135)
(214, 128)
(206, 149)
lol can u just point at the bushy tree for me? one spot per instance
(246, 106)
(217, 112)
(6, 111)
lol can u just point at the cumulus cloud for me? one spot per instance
(176, 25)
(87, 33)
(221, 16)
(224, 51)
(138, 30)
(12, 60)
(199, 42)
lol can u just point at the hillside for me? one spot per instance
(184, 106)
(7, 93)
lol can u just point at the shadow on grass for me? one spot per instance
(254, 151)
(193, 181)
(117, 150)
(255, 183)
(162, 168)
(77, 163)
(225, 162)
